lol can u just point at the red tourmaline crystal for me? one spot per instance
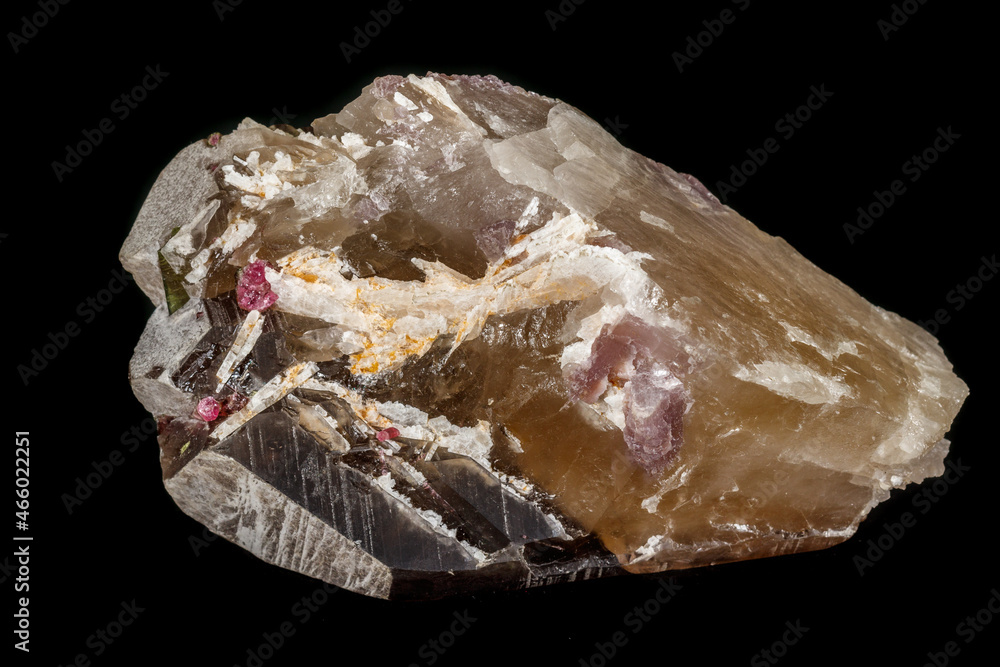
(232, 403)
(253, 291)
(208, 409)
(388, 434)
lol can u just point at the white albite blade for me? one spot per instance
(246, 338)
(265, 397)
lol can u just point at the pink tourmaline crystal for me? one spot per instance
(388, 434)
(232, 403)
(253, 291)
(655, 399)
(208, 409)
(493, 238)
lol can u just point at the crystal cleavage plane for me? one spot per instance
(456, 337)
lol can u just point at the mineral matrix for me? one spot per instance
(457, 337)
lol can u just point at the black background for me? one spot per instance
(273, 61)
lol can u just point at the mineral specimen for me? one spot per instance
(457, 337)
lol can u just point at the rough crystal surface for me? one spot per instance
(456, 337)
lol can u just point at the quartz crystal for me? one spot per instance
(457, 337)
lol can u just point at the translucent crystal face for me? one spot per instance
(457, 327)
